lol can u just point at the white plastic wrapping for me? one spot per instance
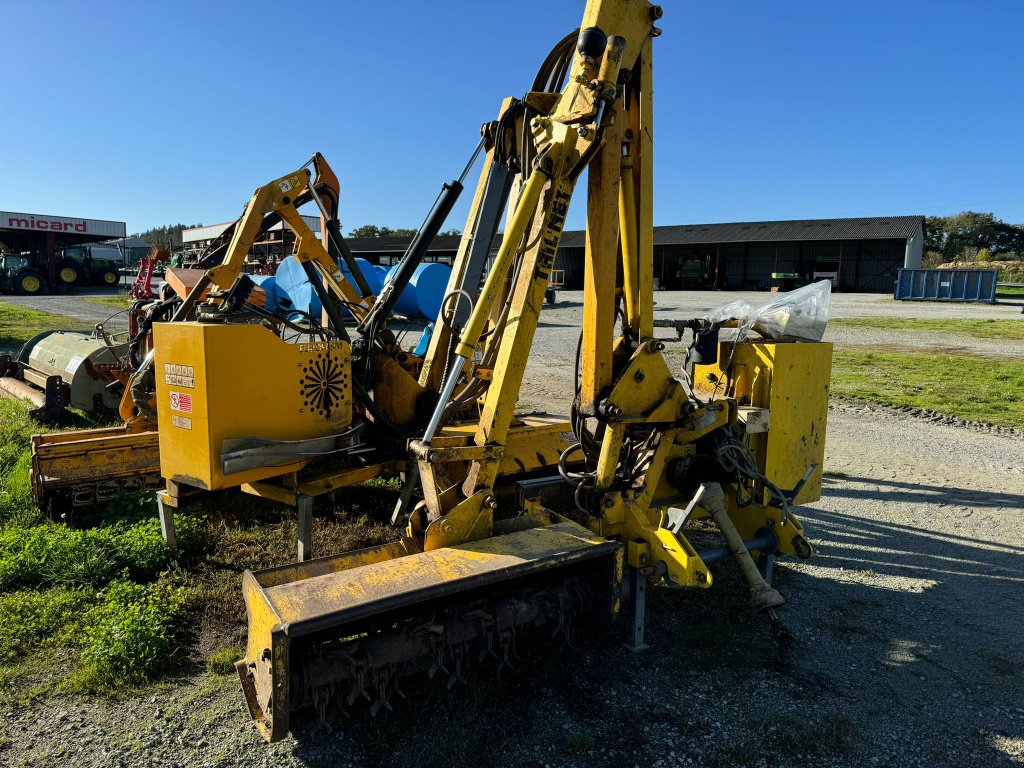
(799, 315)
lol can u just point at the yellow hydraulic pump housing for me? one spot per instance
(227, 392)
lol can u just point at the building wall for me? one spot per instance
(868, 266)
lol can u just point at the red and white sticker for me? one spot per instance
(180, 401)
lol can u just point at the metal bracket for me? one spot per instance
(677, 517)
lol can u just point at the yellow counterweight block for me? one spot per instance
(789, 381)
(217, 382)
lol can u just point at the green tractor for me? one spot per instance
(25, 274)
(89, 265)
(18, 275)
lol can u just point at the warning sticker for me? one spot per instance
(73, 364)
(182, 422)
(180, 375)
(181, 401)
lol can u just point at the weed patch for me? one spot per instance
(32, 619)
(794, 736)
(129, 634)
(222, 662)
(118, 300)
(55, 555)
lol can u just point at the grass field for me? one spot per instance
(978, 328)
(970, 387)
(1009, 292)
(119, 301)
(19, 324)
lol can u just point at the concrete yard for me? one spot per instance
(908, 625)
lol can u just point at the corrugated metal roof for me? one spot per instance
(210, 231)
(874, 228)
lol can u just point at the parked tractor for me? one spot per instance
(25, 274)
(17, 275)
(89, 265)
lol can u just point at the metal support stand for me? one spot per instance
(166, 521)
(766, 564)
(304, 504)
(636, 610)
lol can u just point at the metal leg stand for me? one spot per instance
(305, 506)
(766, 564)
(637, 608)
(166, 521)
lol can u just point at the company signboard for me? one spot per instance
(34, 222)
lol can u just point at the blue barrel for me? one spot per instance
(373, 277)
(423, 296)
(294, 290)
(269, 285)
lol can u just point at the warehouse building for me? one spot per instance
(45, 239)
(867, 253)
(276, 243)
(387, 251)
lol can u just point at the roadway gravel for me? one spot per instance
(909, 649)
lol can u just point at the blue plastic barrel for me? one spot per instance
(373, 278)
(423, 296)
(294, 288)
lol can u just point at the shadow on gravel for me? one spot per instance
(929, 625)
(919, 493)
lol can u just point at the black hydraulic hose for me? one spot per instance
(414, 254)
(338, 249)
(329, 304)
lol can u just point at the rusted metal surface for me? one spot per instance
(81, 468)
(325, 600)
(48, 402)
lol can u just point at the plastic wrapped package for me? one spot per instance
(799, 315)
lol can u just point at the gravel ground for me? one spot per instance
(909, 649)
(70, 304)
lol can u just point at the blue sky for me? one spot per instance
(155, 113)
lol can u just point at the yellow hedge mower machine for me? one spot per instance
(644, 456)
(227, 393)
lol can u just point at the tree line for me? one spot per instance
(373, 231)
(167, 235)
(972, 236)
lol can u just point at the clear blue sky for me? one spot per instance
(156, 113)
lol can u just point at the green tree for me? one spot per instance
(169, 234)
(372, 230)
(967, 233)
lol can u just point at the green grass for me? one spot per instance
(222, 661)
(118, 301)
(19, 324)
(977, 328)
(1009, 292)
(976, 388)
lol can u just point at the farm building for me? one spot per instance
(866, 253)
